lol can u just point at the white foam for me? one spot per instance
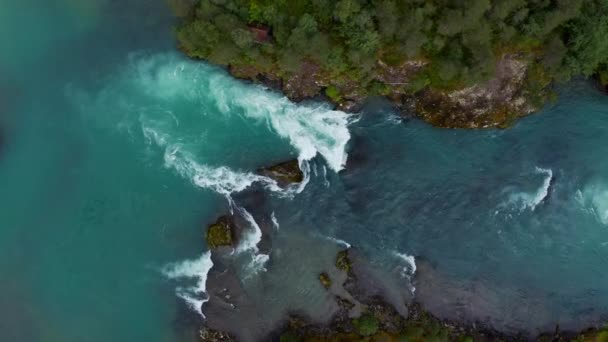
(325, 180)
(311, 128)
(251, 238)
(409, 269)
(275, 222)
(220, 179)
(194, 296)
(530, 200)
(166, 79)
(257, 264)
(305, 168)
(336, 241)
(395, 119)
(410, 263)
(543, 191)
(249, 244)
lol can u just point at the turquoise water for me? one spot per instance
(117, 152)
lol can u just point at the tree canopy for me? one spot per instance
(460, 39)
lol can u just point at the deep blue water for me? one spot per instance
(117, 152)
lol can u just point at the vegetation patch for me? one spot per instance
(220, 233)
(342, 261)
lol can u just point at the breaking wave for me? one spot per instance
(195, 296)
(220, 179)
(409, 268)
(530, 200)
(275, 222)
(177, 105)
(337, 241)
(311, 128)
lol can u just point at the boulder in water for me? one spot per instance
(342, 261)
(221, 233)
(325, 280)
(284, 173)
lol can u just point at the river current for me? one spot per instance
(116, 152)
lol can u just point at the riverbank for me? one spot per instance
(365, 308)
(496, 102)
(472, 65)
(365, 314)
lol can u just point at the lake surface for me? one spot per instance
(117, 152)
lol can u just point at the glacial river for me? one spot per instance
(116, 152)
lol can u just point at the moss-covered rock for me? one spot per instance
(593, 335)
(220, 233)
(325, 280)
(343, 262)
(285, 173)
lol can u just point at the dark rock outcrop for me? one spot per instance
(285, 173)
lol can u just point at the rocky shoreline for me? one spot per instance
(365, 315)
(496, 102)
(366, 311)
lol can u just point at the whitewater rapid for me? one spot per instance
(529, 200)
(184, 103)
(196, 269)
(408, 270)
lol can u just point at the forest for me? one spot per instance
(459, 40)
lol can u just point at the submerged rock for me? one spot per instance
(220, 233)
(210, 335)
(285, 173)
(373, 317)
(325, 280)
